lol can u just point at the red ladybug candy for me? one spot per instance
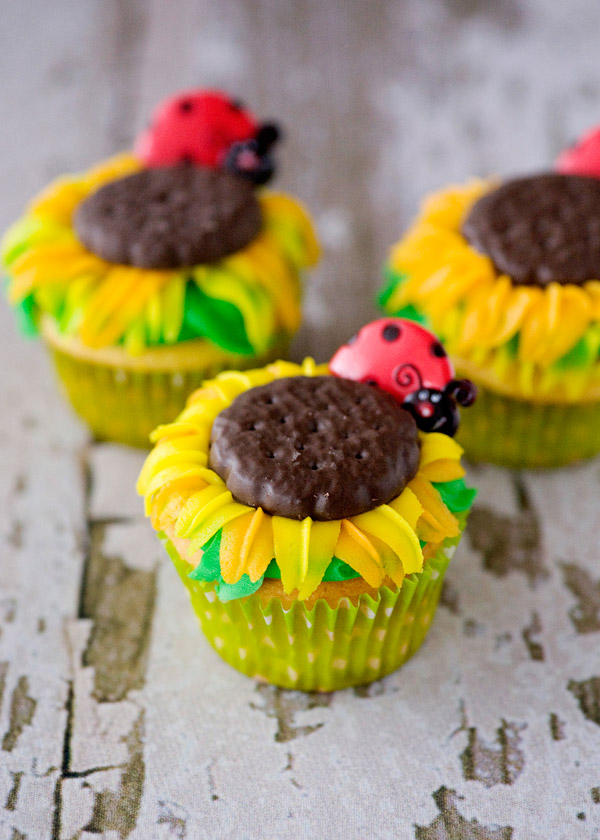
(408, 361)
(196, 126)
(583, 158)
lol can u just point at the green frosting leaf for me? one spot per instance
(455, 494)
(209, 568)
(26, 312)
(217, 320)
(581, 354)
(392, 279)
(231, 591)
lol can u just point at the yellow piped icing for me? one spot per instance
(183, 494)
(477, 312)
(103, 304)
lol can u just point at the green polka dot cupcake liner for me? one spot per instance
(124, 405)
(324, 648)
(520, 434)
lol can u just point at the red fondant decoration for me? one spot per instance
(399, 356)
(196, 126)
(584, 157)
(408, 361)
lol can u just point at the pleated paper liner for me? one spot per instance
(325, 648)
(517, 433)
(123, 399)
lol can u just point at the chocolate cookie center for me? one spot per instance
(541, 229)
(169, 217)
(319, 446)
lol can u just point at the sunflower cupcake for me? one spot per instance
(507, 274)
(308, 515)
(158, 268)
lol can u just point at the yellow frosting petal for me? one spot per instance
(292, 541)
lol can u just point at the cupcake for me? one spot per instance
(311, 511)
(158, 268)
(506, 273)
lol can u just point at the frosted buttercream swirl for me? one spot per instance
(523, 340)
(242, 302)
(234, 543)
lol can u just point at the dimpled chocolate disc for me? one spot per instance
(541, 229)
(319, 446)
(169, 217)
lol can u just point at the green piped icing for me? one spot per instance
(217, 320)
(455, 494)
(457, 497)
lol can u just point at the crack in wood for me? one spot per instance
(283, 705)
(499, 763)
(534, 647)
(585, 615)
(449, 597)
(13, 793)
(557, 727)
(119, 811)
(174, 816)
(15, 535)
(120, 601)
(451, 825)
(22, 710)
(509, 543)
(587, 694)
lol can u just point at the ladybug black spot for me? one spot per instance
(186, 105)
(370, 381)
(238, 105)
(353, 339)
(390, 332)
(437, 350)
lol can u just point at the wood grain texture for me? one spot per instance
(116, 718)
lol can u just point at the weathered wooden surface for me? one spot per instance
(116, 719)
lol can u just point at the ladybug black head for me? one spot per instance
(252, 159)
(433, 410)
(436, 411)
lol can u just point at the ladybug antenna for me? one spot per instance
(462, 390)
(267, 135)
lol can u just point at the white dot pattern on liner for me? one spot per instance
(267, 640)
(380, 634)
(210, 596)
(308, 623)
(389, 611)
(291, 639)
(404, 647)
(293, 675)
(368, 611)
(120, 376)
(374, 662)
(268, 619)
(310, 656)
(329, 634)
(225, 619)
(339, 664)
(177, 380)
(219, 643)
(409, 618)
(243, 652)
(208, 614)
